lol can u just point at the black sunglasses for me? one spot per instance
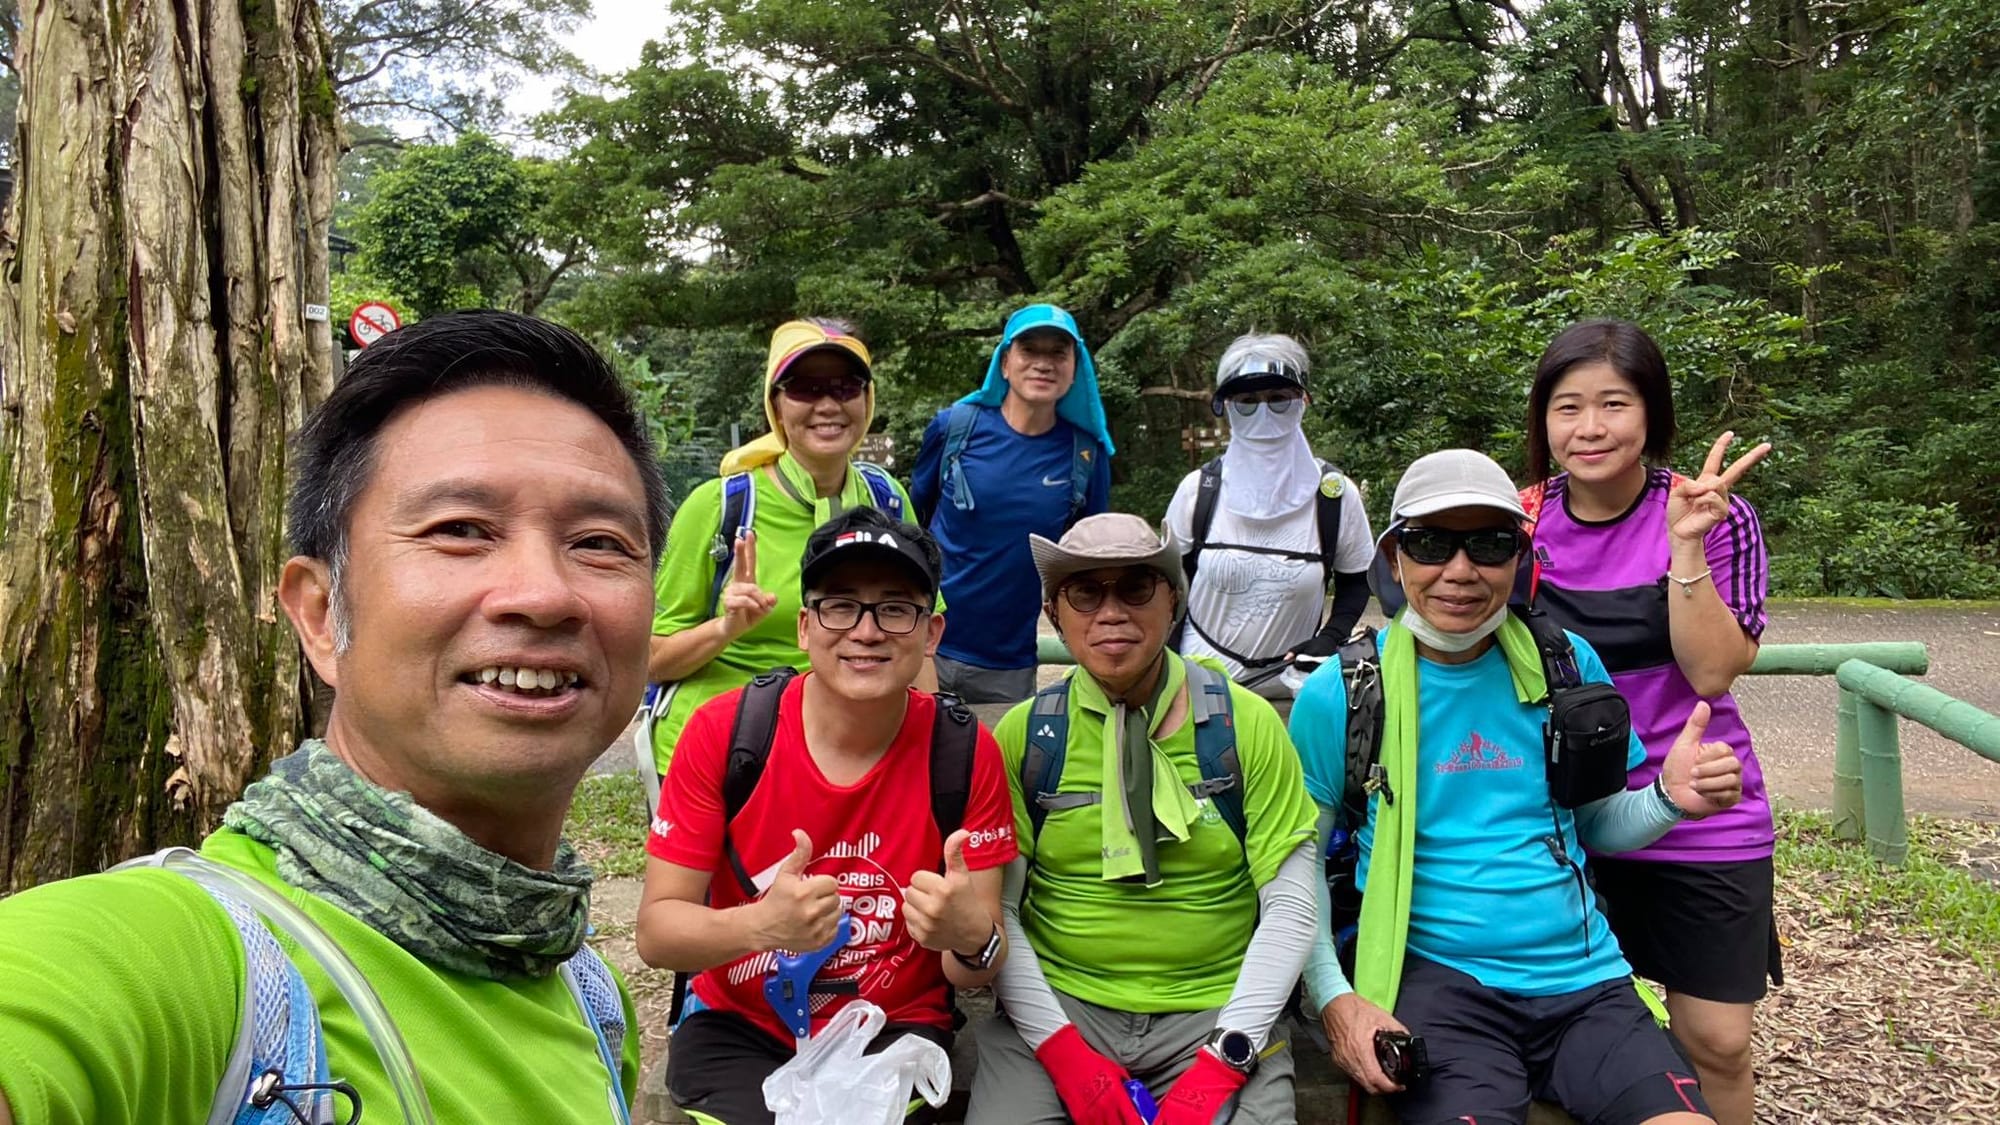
(1133, 588)
(1486, 546)
(809, 389)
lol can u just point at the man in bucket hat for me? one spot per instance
(1478, 933)
(1162, 904)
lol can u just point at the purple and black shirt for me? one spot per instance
(1607, 582)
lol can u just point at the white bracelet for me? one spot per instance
(1687, 584)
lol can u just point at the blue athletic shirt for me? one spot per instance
(1020, 484)
(1489, 897)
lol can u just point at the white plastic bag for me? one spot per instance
(831, 1082)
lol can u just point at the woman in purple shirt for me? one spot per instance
(1665, 576)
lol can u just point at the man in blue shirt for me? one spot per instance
(1027, 452)
(1477, 929)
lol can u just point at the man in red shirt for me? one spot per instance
(844, 819)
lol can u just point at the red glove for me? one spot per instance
(1091, 1086)
(1201, 1091)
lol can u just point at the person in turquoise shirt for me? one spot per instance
(1478, 932)
(475, 516)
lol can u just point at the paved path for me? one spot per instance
(1791, 717)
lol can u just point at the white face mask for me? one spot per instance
(1265, 424)
(1435, 638)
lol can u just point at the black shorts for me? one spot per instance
(717, 1062)
(1597, 1053)
(1701, 929)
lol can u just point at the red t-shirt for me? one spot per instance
(871, 836)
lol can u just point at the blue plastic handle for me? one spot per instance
(788, 987)
(1142, 1100)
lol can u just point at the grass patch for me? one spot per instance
(1938, 893)
(1972, 604)
(607, 824)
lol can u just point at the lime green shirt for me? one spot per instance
(687, 573)
(1176, 947)
(120, 994)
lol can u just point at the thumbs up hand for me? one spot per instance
(1701, 777)
(797, 912)
(943, 911)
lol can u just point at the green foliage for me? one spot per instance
(1799, 203)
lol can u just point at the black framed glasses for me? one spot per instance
(1280, 402)
(1486, 546)
(1133, 588)
(842, 614)
(807, 389)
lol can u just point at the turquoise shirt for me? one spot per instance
(1489, 898)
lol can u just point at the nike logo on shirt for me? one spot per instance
(1055, 481)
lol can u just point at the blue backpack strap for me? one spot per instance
(739, 514)
(881, 488)
(1048, 744)
(596, 992)
(1215, 746)
(278, 1041)
(957, 431)
(1083, 451)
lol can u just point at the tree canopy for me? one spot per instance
(1796, 198)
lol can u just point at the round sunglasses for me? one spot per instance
(1133, 588)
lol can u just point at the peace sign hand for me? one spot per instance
(744, 603)
(1695, 507)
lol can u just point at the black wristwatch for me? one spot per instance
(988, 953)
(1235, 1049)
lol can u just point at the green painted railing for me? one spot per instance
(1867, 756)
(1909, 657)
(1868, 751)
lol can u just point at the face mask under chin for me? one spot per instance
(1433, 637)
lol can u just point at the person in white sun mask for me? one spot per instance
(1267, 529)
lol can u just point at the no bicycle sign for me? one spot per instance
(372, 321)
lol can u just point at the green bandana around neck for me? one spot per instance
(799, 483)
(1385, 905)
(411, 876)
(1145, 802)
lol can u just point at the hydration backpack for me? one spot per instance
(1326, 513)
(958, 431)
(279, 1058)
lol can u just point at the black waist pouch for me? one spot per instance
(1585, 740)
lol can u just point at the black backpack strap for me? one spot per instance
(954, 738)
(749, 748)
(1327, 512)
(1361, 668)
(1204, 514)
(1552, 643)
(1042, 760)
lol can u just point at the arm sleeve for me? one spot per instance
(1275, 802)
(1287, 918)
(1021, 988)
(1739, 565)
(1350, 599)
(1319, 731)
(681, 585)
(121, 1000)
(687, 828)
(1324, 979)
(1624, 821)
(926, 477)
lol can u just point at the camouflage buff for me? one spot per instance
(412, 877)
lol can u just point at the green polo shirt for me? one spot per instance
(1177, 947)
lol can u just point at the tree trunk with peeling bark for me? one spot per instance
(172, 196)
